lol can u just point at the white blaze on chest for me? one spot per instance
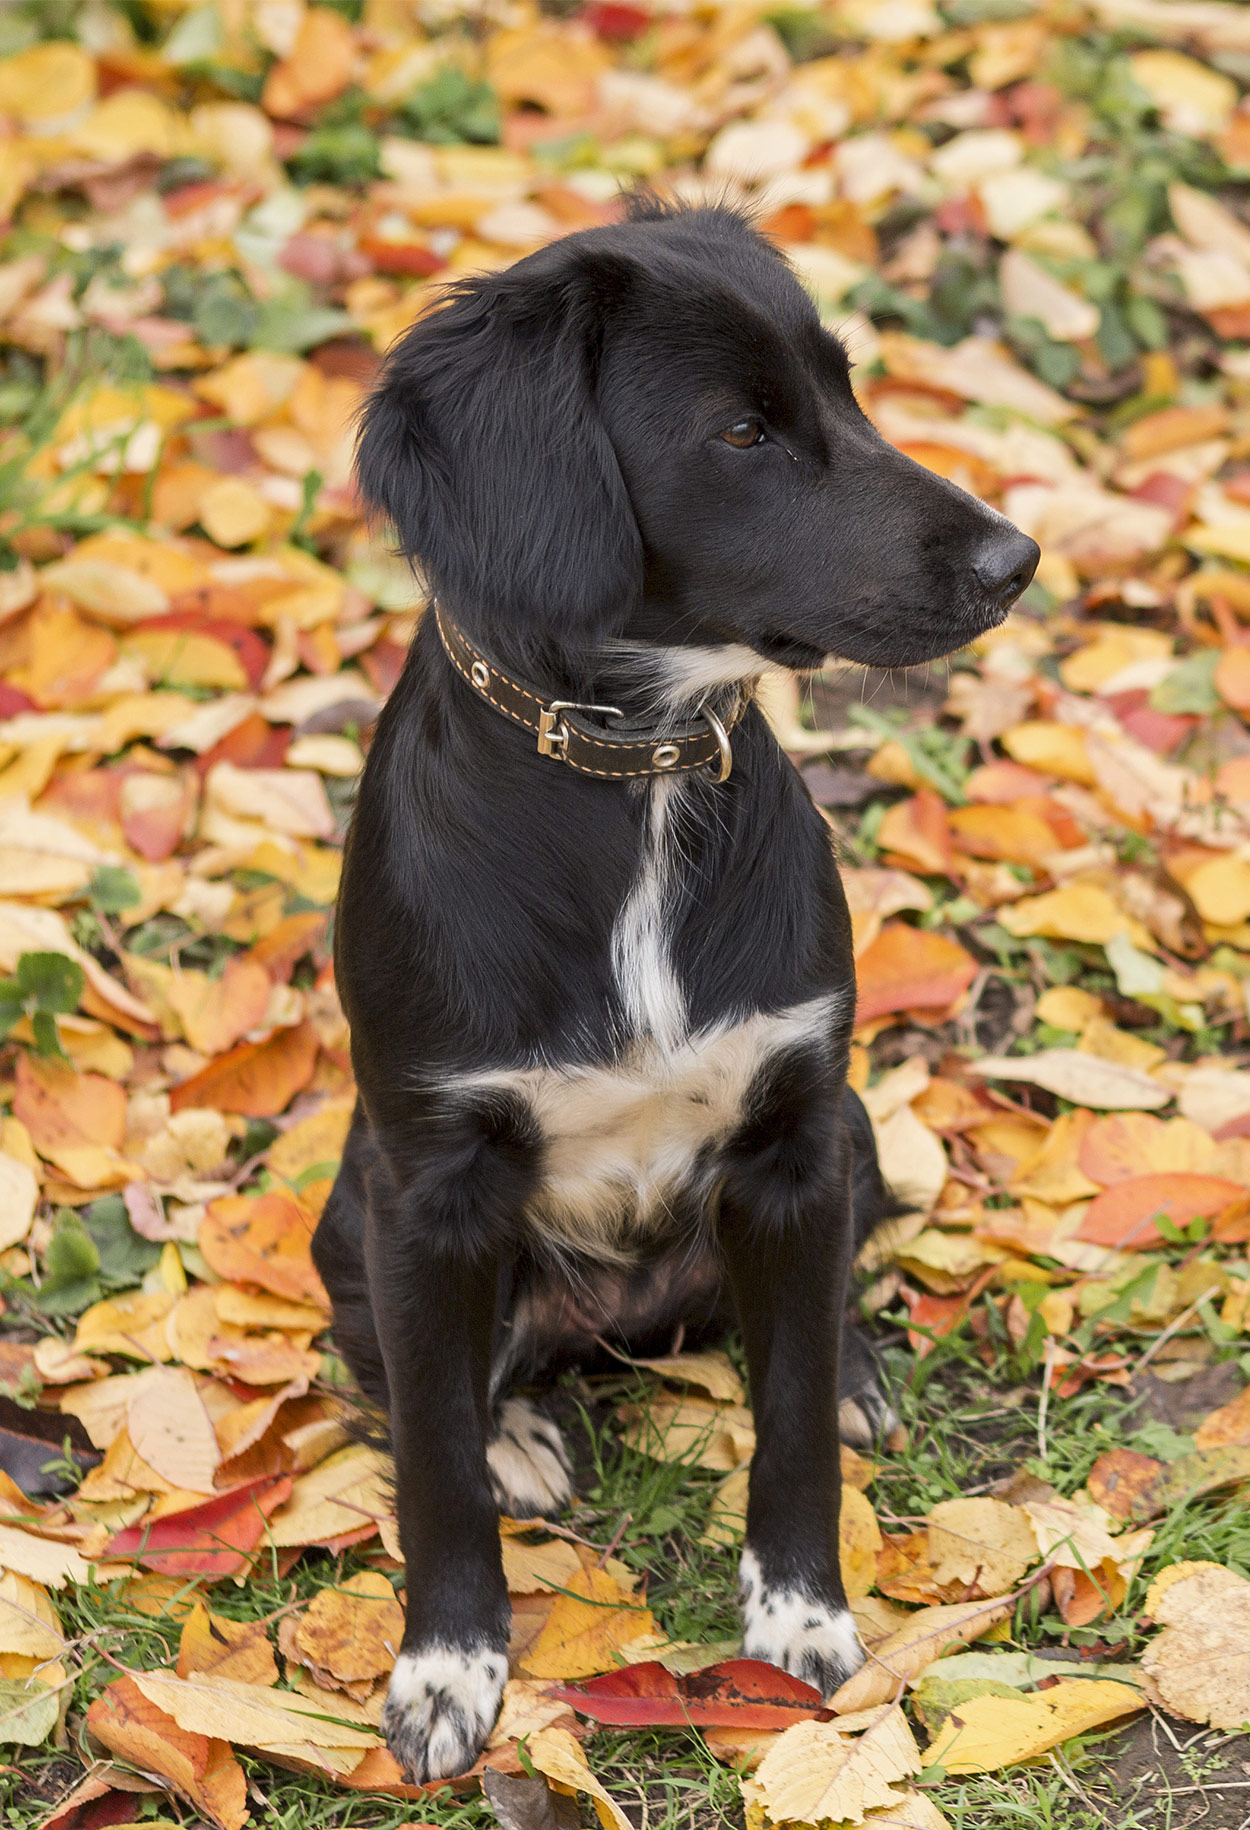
(642, 966)
(623, 1141)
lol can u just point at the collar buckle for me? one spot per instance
(553, 732)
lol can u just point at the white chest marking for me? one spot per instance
(624, 1139)
(641, 961)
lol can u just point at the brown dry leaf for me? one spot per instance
(352, 1631)
(819, 1771)
(992, 1731)
(348, 1490)
(213, 1646)
(170, 1429)
(982, 1543)
(1201, 1659)
(589, 1629)
(901, 1658)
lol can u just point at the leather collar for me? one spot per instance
(566, 735)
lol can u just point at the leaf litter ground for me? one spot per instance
(1030, 223)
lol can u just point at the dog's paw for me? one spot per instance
(865, 1414)
(441, 1705)
(809, 1639)
(529, 1468)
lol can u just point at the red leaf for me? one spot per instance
(216, 1539)
(741, 1693)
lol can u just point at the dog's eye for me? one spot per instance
(744, 433)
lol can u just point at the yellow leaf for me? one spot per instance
(29, 1624)
(1221, 890)
(556, 1755)
(234, 513)
(19, 1192)
(1192, 98)
(588, 1629)
(345, 1492)
(1068, 1007)
(989, 1732)
(818, 1771)
(170, 1429)
(354, 1630)
(43, 1560)
(131, 121)
(694, 1430)
(1053, 749)
(48, 83)
(212, 1646)
(130, 1325)
(712, 1372)
(252, 1715)
(859, 1543)
(980, 1541)
(319, 1138)
(187, 657)
(912, 1649)
(1079, 911)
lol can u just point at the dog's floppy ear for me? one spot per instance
(483, 445)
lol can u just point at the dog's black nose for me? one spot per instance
(1005, 563)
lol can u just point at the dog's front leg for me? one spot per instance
(786, 1236)
(433, 1290)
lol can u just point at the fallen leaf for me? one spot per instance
(1083, 1079)
(352, 1631)
(170, 1430)
(591, 1623)
(898, 1660)
(1123, 1215)
(200, 1768)
(214, 1646)
(980, 1543)
(818, 1771)
(258, 1079)
(910, 968)
(555, 1753)
(995, 1731)
(741, 1693)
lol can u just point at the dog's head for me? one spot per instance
(644, 431)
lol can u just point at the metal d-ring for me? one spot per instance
(722, 743)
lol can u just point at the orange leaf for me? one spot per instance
(216, 1012)
(258, 1079)
(1014, 835)
(1122, 1216)
(263, 1239)
(1229, 1425)
(236, 1649)
(58, 1106)
(280, 951)
(155, 812)
(909, 968)
(917, 834)
(319, 65)
(1113, 1149)
(1232, 678)
(1120, 1478)
(203, 1771)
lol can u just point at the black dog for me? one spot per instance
(591, 940)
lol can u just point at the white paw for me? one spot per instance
(809, 1639)
(441, 1705)
(529, 1468)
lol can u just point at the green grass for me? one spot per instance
(969, 1425)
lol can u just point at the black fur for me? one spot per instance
(548, 445)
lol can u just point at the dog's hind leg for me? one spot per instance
(865, 1414)
(338, 1250)
(529, 1465)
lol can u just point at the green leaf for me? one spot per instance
(113, 888)
(53, 981)
(123, 1256)
(28, 1711)
(1190, 687)
(291, 326)
(72, 1253)
(12, 1005)
(47, 1036)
